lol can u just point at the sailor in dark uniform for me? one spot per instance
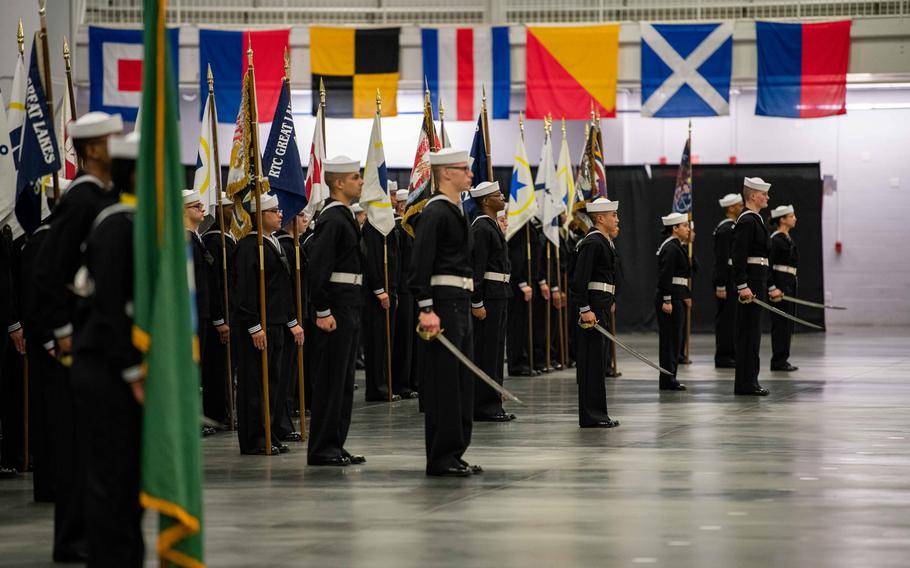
(335, 279)
(593, 286)
(442, 282)
(382, 267)
(724, 291)
(12, 348)
(108, 376)
(203, 273)
(251, 339)
(56, 265)
(215, 375)
(749, 256)
(405, 318)
(784, 259)
(490, 300)
(289, 373)
(673, 295)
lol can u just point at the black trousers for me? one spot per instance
(517, 340)
(448, 392)
(589, 370)
(111, 422)
(43, 376)
(250, 413)
(782, 328)
(489, 355)
(748, 343)
(375, 349)
(70, 451)
(311, 362)
(725, 328)
(333, 393)
(403, 342)
(608, 348)
(286, 386)
(12, 408)
(214, 376)
(540, 333)
(672, 329)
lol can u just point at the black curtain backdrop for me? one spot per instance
(645, 196)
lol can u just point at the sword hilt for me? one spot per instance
(584, 325)
(426, 335)
(743, 300)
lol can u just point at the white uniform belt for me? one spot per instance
(462, 282)
(496, 276)
(602, 287)
(757, 260)
(729, 262)
(680, 281)
(784, 268)
(346, 278)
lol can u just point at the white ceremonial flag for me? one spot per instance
(545, 191)
(205, 180)
(522, 205)
(565, 182)
(7, 177)
(375, 198)
(316, 190)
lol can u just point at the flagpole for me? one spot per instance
(613, 362)
(69, 78)
(385, 271)
(298, 285)
(48, 88)
(565, 278)
(546, 129)
(254, 127)
(531, 277)
(229, 375)
(431, 127)
(442, 120)
(689, 307)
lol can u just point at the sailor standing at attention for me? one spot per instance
(673, 295)
(442, 282)
(784, 258)
(749, 256)
(724, 291)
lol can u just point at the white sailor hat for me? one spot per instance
(356, 208)
(500, 213)
(226, 201)
(402, 195)
(449, 156)
(266, 201)
(602, 205)
(782, 211)
(95, 125)
(391, 186)
(730, 199)
(674, 219)
(484, 188)
(758, 184)
(123, 147)
(341, 165)
(191, 196)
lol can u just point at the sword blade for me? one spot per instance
(475, 369)
(784, 314)
(631, 351)
(802, 302)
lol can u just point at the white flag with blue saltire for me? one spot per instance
(205, 180)
(375, 196)
(550, 205)
(522, 205)
(565, 181)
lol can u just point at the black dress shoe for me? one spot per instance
(543, 370)
(522, 372)
(293, 437)
(570, 364)
(611, 375)
(558, 367)
(753, 392)
(725, 364)
(502, 417)
(608, 423)
(8, 472)
(355, 459)
(262, 452)
(337, 461)
(406, 394)
(676, 387)
(451, 472)
(786, 367)
(475, 469)
(283, 448)
(395, 398)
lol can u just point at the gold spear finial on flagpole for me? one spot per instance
(321, 92)
(378, 102)
(66, 54)
(521, 123)
(442, 110)
(287, 65)
(563, 127)
(483, 91)
(210, 78)
(20, 37)
(592, 111)
(249, 51)
(42, 7)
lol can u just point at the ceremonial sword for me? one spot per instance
(631, 351)
(811, 304)
(781, 313)
(467, 363)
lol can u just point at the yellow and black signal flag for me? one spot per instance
(353, 63)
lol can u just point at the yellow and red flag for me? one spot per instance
(569, 67)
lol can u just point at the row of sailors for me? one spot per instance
(454, 275)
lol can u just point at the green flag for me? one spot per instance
(164, 326)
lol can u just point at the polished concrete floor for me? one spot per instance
(817, 474)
